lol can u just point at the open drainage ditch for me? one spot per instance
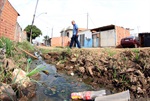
(56, 86)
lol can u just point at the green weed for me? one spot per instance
(45, 51)
(36, 70)
(25, 45)
(8, 44)
(124, 79)
(114, 72)
(137, 56)
(110, 52)
(136, 50)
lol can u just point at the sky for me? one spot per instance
(58, 14)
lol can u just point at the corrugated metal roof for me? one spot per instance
(103, 28)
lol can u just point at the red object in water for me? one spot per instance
(87, 95)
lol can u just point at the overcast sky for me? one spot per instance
(134, 14)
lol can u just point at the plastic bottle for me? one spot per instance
(87, 95)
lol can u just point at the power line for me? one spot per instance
(92, 21)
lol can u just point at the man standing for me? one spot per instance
(74, 38)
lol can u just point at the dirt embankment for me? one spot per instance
(112, 69)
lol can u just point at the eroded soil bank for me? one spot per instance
(116, 70)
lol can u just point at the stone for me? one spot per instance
(139, 90)
(133, 88)
(73, 60)
(46, 56)
(140, 73)
(148, 79)
(70, 73)
(82, 69)
(7, 93)
(130, 70)
(8, 64)
(89, 58)
(143, 81)
(24, 98)
(133, 78)
(58, 63)
(19, 77)
(61, 66)
(89, 69)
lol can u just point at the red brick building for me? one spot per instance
(8, 20)
(60, 41)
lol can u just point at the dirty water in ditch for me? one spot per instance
(56, 86)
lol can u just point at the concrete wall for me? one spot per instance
(121, 33)
(59, 41)
(108, 38)
(18, 33)
(8, 21)
(24, 36)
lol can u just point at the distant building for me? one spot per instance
(85, 38)
(8, 21)
(60, 41)
(144, 39)
(65, 38)
(108, 36)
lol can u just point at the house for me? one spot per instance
(144, 39)
(8, 21)
(108, 36)
(60, 41)
(65, 38)
(85, 38)
(67, 32)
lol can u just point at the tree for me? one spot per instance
(46, 39)
(35, 32)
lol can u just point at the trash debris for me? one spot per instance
(72, 74)
(87, 95)
(122, 96)
(46, 72)
(29, 54)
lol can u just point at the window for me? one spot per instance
(68, 34)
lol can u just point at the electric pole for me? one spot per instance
(87, 19)
(52, 33)
(33, 21)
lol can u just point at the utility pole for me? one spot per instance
(87, 19)
(52, 33)
(33, 21)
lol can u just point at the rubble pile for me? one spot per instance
(118, 71)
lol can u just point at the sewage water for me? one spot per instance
(56, 86)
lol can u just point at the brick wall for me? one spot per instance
(121, 33)
(57, 41)
(1, 5)
(8, 21)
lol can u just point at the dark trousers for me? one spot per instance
(74, 39)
